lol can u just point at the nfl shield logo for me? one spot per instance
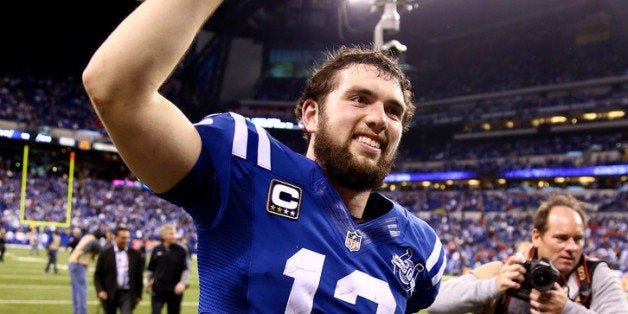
(353, 241)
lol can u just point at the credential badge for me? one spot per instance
(353, 241)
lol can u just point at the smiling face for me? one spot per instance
(356, 131)
(563, 241)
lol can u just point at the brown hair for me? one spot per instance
(324, 79)
(568, 200)
(120, 228)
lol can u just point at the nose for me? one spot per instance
(572, 245)
(376, 118)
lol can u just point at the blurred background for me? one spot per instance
(516, 100)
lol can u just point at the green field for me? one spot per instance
(26, 289)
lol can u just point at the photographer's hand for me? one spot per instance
(511, 274)
(551, 301)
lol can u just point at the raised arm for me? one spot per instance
(158, 143)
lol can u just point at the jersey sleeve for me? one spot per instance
(228, 140)
(199, 192)
(428, 283)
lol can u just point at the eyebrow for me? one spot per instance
(566, 235)
(368, 92)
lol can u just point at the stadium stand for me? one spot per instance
(522, 106)
(476, 223)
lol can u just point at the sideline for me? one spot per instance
(69, 302)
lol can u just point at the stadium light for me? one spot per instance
(389, 24)
(395, 46)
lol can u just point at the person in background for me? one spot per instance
(52, 247)
(3, 242)
(33, 240)
(184, 241)
(583, 285)
(118, 275)
(78, 264)
(278, 231)
(143, 248)
(75, 238)
(168, 272)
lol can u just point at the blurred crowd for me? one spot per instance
(535, 61)
(475, 225)
(39, 103)
(96, 205)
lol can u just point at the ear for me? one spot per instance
(309, 115)
(536, 237)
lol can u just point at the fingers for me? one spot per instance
(551, 301)
(539, 302)
(102, 295)
(511, 274)
(179, 288)
(516, 259)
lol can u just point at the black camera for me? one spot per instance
(540, 275)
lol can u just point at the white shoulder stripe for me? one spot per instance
(240, 136)
(263, 148)
(206, 121)
(433, 259)
(438, 276)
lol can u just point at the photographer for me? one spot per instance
(548, 281)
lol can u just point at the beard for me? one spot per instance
(340, 165)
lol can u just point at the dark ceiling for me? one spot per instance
(58, 35)
(432, 21)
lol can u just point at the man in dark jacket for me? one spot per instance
(118, 275)
(168, 272)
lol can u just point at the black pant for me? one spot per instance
(52, 260)
(159, 298)
(122, 299)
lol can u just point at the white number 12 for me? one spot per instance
(306, 268)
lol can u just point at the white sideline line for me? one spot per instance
(69, 302)
(43, 277)
(33, 287)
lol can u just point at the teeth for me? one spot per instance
(368, 141)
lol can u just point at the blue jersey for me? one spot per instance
(274, 235)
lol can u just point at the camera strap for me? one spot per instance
(584, 273)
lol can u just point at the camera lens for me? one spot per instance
(542, 278)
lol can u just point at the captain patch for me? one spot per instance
(284, 199)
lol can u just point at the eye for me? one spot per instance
(358, 98)
(394, 112)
